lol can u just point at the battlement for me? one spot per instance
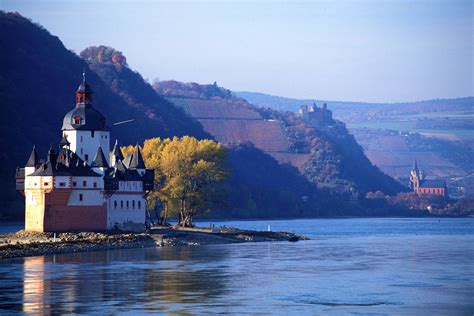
(315, 114)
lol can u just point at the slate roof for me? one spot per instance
(99, 159)
(84, 87)
(433, 184)
(120, 172)
(91, 119)
(117, 152)
(127, 160)
(64, 141)
(33, 160)
(137, 159)
(64, 163)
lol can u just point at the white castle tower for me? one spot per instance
(84, 127)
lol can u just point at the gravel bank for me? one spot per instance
(26, 244)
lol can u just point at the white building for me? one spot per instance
(79, 188)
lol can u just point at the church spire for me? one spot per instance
(137, 159)
(415, 164)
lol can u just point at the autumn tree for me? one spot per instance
(104, 54)
(187, 174)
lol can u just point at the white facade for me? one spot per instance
(86, 197)
(86, 143)
(126, 209)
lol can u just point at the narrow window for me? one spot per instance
(92, 134)
(84, 183)
(95, 184)
(62, 184)
(127, 204)
(115, 204)
(81, 139)
(74, 184)
(81, 197)
(133, 204)
(121, 204)
(139, 204)
(86, 157)
(82, 151)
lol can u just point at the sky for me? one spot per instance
(372, 51)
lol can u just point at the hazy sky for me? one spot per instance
(381, 51)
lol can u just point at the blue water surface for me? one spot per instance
(350, 267)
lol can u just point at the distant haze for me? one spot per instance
(373, 51)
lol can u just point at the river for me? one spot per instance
(351, 266)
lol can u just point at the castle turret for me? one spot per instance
(99, 164)
(84, 127)
(137, 161)
(303, 110)
(64, 142)
(32, 162)
(116, 154)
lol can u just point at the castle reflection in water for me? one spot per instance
(149, 279)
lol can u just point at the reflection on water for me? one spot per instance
(83, 283)
(420, 272)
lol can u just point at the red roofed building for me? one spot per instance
(419, 185)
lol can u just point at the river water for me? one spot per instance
(350, 267)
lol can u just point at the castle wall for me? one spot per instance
(61, 217)
(84, 197)
(131, 186)
(125, 208)
(34, 210)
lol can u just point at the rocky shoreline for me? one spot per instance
(27, 244)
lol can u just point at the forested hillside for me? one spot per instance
(111, 67)
(37, 84)
(326, 154)
(38, 79)
(438, 132)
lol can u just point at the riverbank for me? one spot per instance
(26, 244)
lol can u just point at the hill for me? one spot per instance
(326, 154)
(438, 132)
(37, 85)
(351, 112)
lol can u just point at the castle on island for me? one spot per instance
(420, 185)
(83, 186)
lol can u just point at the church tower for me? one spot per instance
(84, 129)
(415, 176)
